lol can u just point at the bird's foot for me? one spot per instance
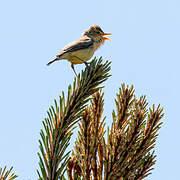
(87, 63)
(72, 65)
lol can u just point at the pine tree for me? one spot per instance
(6, 174)
(126, 153)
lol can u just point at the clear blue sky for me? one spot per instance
(145, 51)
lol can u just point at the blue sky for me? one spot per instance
(144, 52)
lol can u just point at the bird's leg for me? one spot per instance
(86, 63)
(72, 65)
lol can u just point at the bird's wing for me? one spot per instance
(82, 43)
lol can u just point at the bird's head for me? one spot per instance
(97, 34)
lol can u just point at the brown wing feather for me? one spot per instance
(82, 43)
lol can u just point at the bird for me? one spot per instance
(80, 51)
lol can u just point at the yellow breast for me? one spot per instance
(74, 57)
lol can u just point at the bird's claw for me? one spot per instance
(87, 64)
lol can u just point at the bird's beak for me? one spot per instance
(105, 34)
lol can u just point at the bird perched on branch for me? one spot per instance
(80, 51)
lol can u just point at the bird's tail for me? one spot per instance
(56, 59)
